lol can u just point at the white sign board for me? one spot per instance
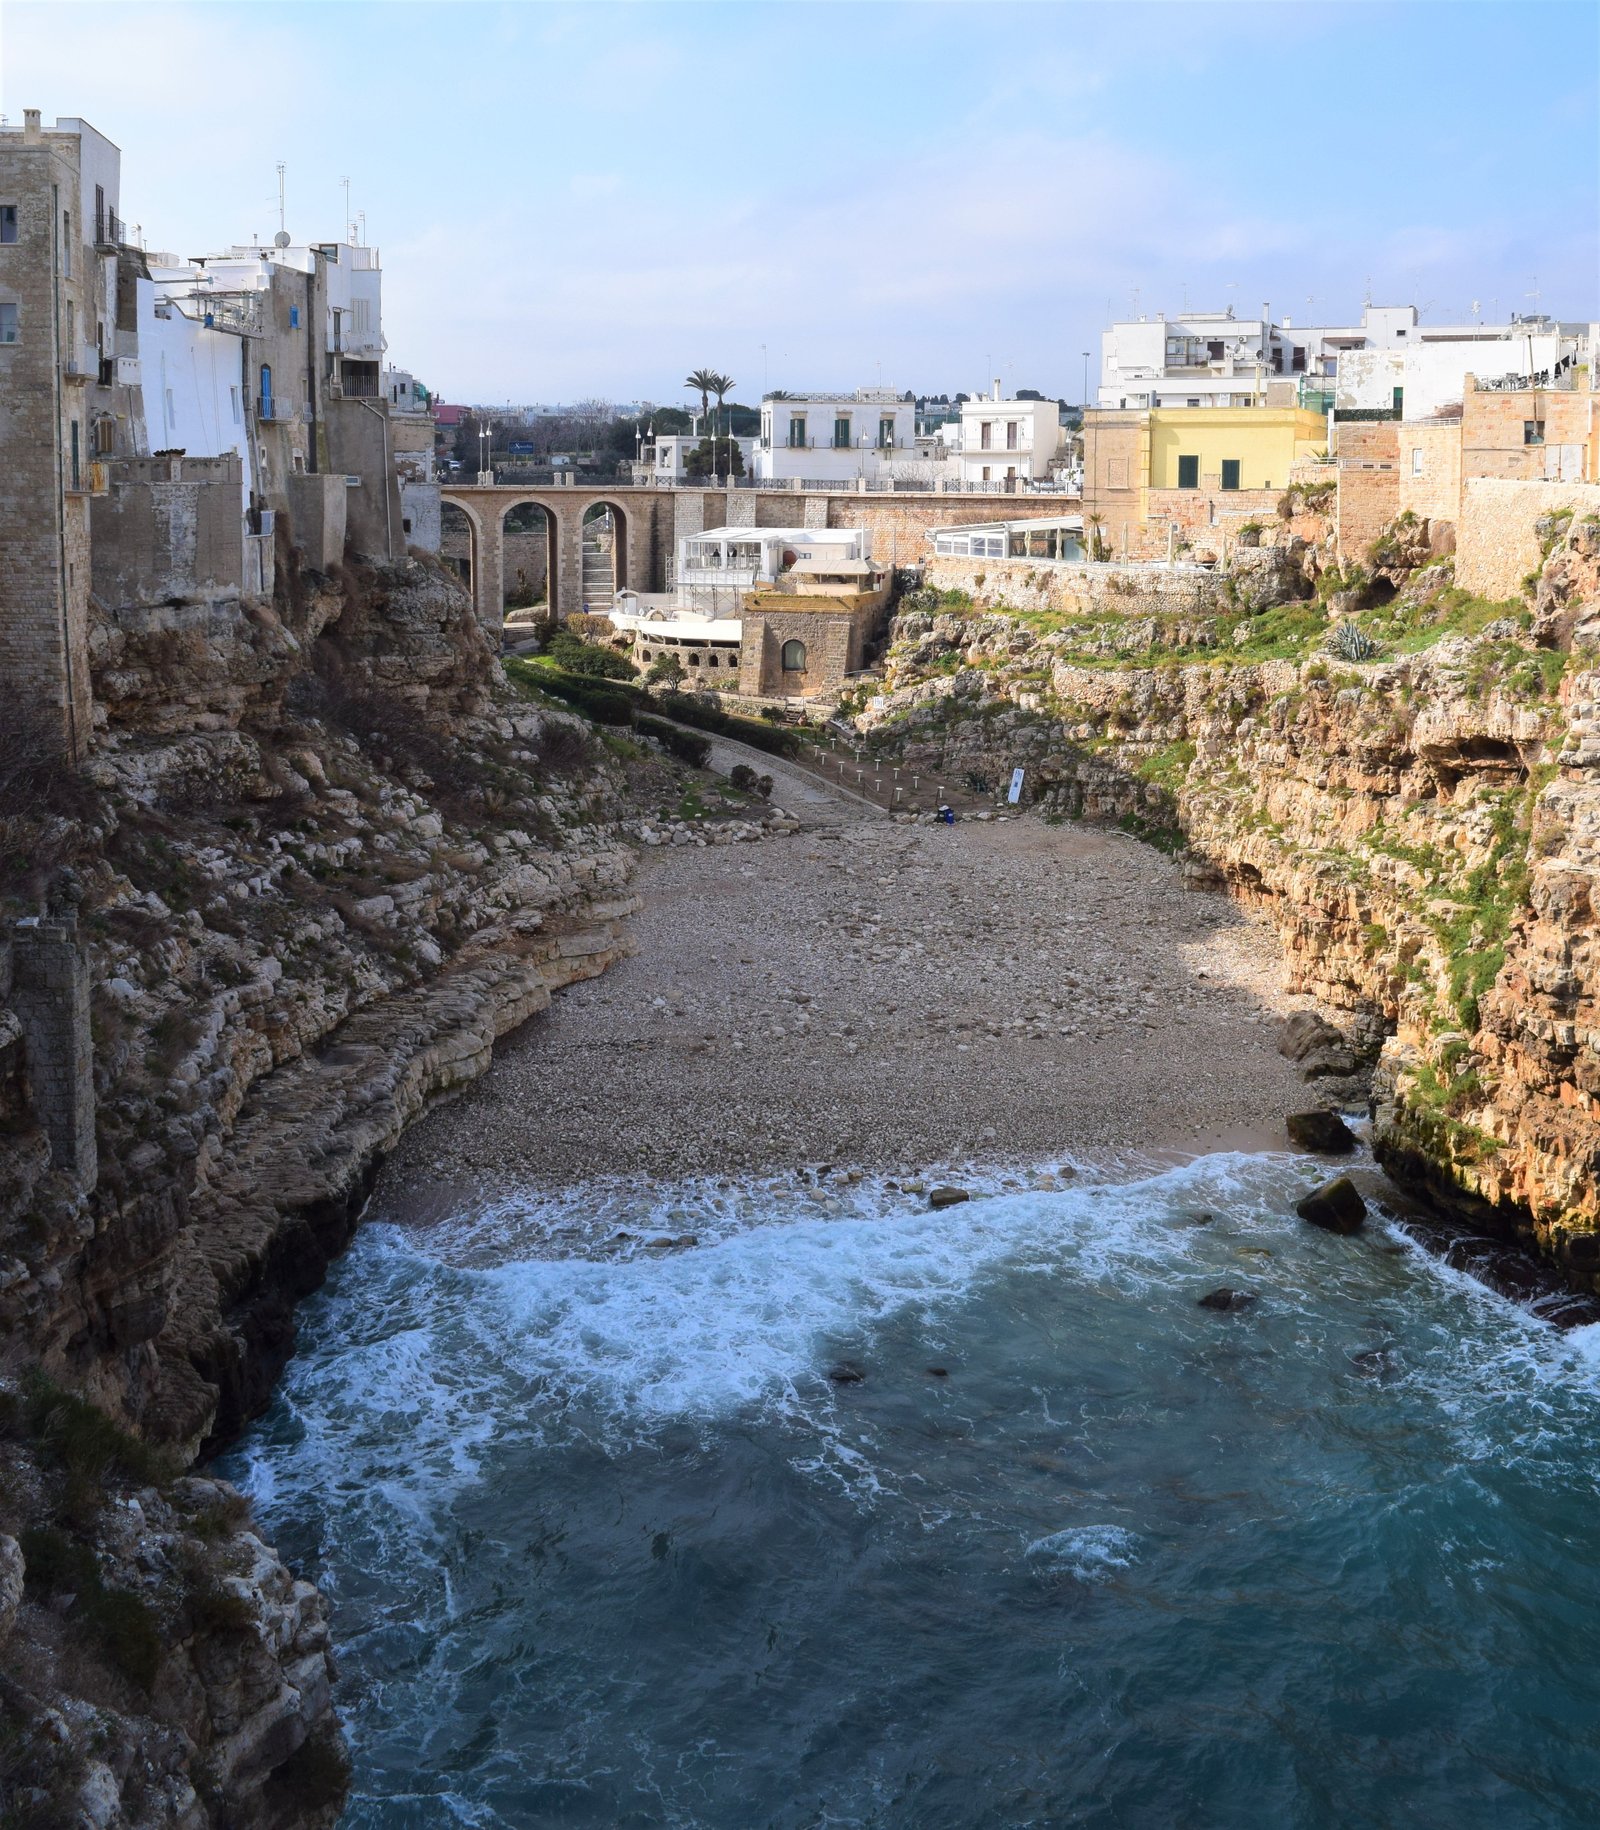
(1016, 787)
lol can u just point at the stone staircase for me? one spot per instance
(599, 571)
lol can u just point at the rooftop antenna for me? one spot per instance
(1477, 314)
(349, 226)
(283, 227)
(1534, 295)
(1366, 297)
(361, 218)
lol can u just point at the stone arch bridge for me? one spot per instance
(649, 520)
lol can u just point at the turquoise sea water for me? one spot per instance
(607, 1544)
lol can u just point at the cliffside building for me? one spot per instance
(59, 238)
(834, 437)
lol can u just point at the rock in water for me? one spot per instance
(846, 1373)
(947, 1197)
(1320, 1130)
(1335, 1206)
(1226, 1301)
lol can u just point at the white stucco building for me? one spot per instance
(835, 437)
(667, 453)
(1390, 360)
(1007, 441)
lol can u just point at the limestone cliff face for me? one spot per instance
(322, 858)
(1422, 826)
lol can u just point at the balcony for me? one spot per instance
(269, 408)
(110, 232)
(108, 371)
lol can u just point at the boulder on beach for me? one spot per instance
(1226, 1301)
(1335, 1206)
(1315, 1046)
(947, 1197)
(1320, 1130)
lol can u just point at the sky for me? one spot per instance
(589, 201)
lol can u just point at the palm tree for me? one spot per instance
(722, 386)
(704, 383)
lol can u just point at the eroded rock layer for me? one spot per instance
(1406, 782)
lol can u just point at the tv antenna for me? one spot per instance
(349, 225)
(282, 237)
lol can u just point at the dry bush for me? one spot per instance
(45, 804)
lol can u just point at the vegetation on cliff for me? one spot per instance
(1412, 810)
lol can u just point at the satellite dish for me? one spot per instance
(281, 239)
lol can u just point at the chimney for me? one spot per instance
(997, 387)
(30, 127)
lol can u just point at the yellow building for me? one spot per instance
(1228, 448)
(1161, 474)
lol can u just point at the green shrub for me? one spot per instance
(686, 745)
(123, 1625)
(577, 657)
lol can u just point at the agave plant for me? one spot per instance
(1350, 642)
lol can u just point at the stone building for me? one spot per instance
(59, 194)
(769, 612)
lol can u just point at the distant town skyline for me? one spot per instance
(590, 201)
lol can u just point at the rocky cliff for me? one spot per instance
(322, 857)
(1404, 779)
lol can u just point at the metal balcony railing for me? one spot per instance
(110, 231)
(269, 408)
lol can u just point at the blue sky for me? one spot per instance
(591, 200)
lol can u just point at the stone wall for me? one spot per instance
(1496, 543)
(317, 506)
(357, 437)
(50, 993)
(170, 527)
(1430, 469)
(44, 582)
(1494, 435)
(1076, 590)
(1369, 483)
(1207, 518)
(829, 639)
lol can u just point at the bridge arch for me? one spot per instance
(530, 565)
(461, 546)
(601, 582)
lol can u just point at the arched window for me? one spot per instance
(266, 391)
(794, 657)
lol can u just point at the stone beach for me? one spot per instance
(884, 996)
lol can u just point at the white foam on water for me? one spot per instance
(1089, 1552)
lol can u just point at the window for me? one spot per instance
(1214, 349)
(77, 473)
(1533, 432)
(233, 400)
(1416, 460)
(172, 416)
(986, 436)
(797, 431)
(294, 317)
(8, 222)
(72, 334)
(1194, 401)
(1399, 333)
(1188, 473)
(1399, 400)
(886, 434)
(363, 317)
(794, 657)
(266, 390)
(1297, 362)
(841, 431)
(66, 243)
(985, 477)
(1011, 435)
(105, 435)
(1230, 473)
